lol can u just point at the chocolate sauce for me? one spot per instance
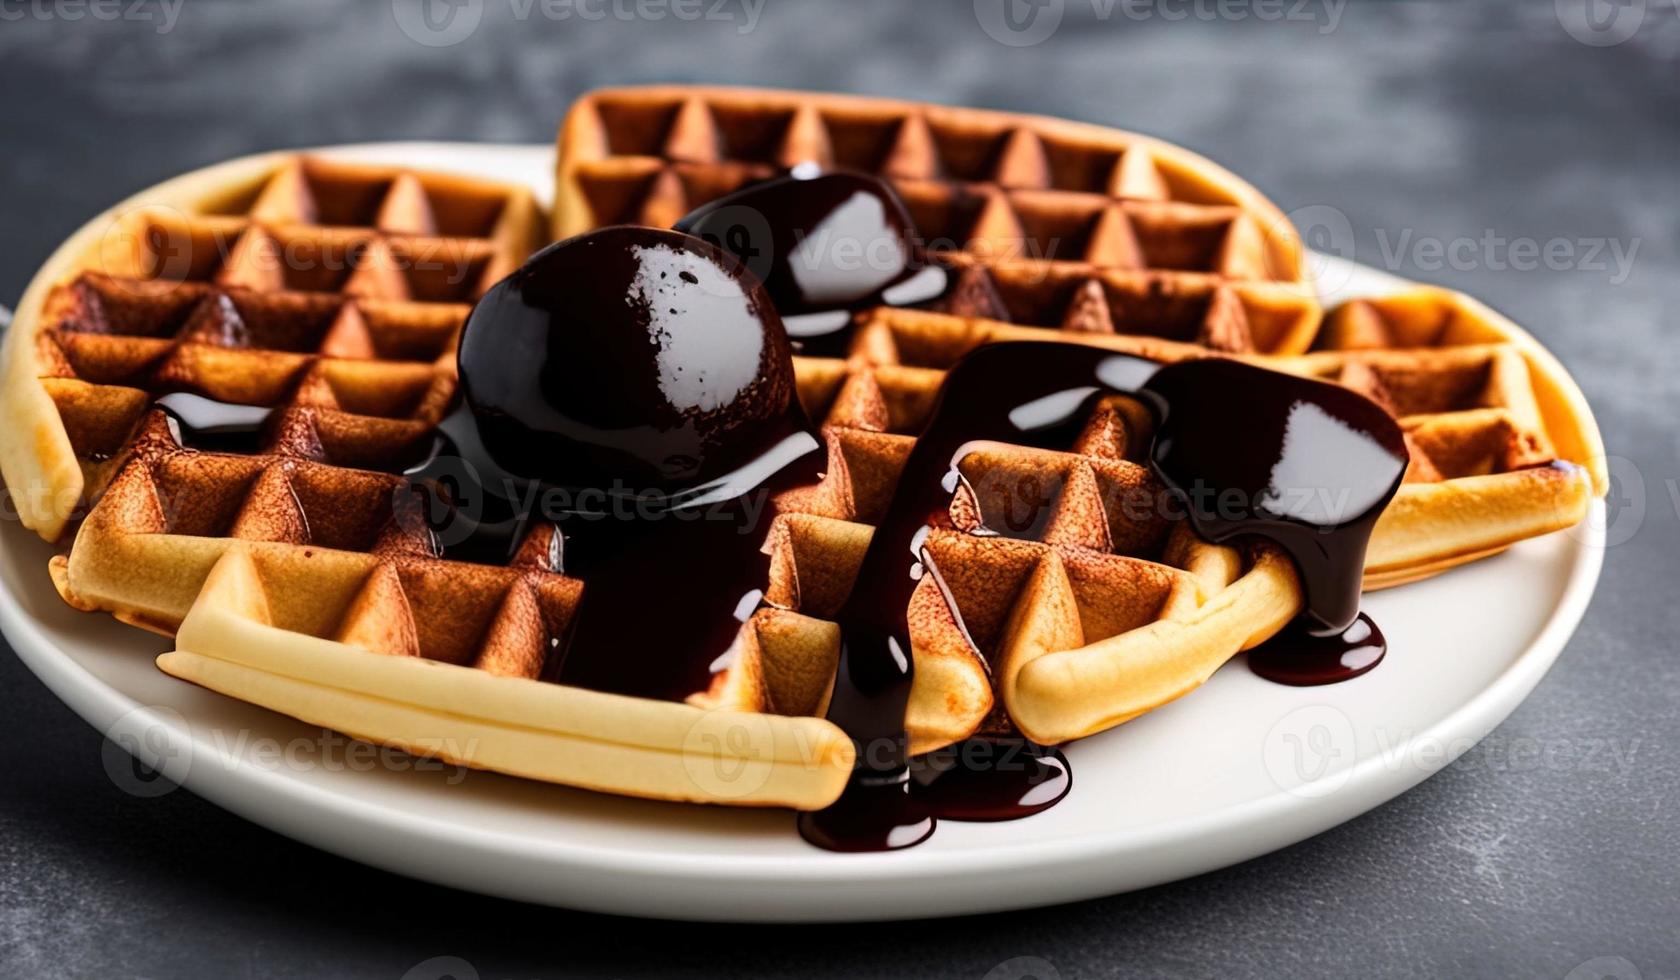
(1307, 464)
(633, 387)
(1245, 451)
(824, 246)
(1301, 658)
(1312, 474)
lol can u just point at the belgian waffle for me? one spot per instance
(332, 294)
(1503, 445)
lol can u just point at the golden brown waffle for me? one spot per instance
(1085, 567)
(331, 290)
(992, 185)
(294, 581)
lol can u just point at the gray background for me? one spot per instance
(1551, 848)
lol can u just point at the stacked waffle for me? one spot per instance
(298, 580)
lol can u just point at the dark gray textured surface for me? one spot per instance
(1551, 847)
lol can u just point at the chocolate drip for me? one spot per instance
(986, 780)
(825, 246)
(1307, 464)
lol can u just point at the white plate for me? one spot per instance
(1236, 769)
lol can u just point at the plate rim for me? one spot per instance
(1235, 833)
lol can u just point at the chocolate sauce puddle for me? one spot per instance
(1305, 464)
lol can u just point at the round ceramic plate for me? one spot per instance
(1234, 770)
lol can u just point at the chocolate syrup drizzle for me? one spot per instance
(824, 246)
(1312, 469)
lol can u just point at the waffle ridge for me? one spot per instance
(988, 184)
(330, 292)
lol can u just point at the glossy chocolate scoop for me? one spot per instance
(824, 245)
(632, 388)
(631, 357)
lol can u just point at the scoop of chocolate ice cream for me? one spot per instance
(629, 359)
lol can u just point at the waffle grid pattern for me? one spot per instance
(336, 298)
(987, 184)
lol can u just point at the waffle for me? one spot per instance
(294, 579)
(988, 185)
